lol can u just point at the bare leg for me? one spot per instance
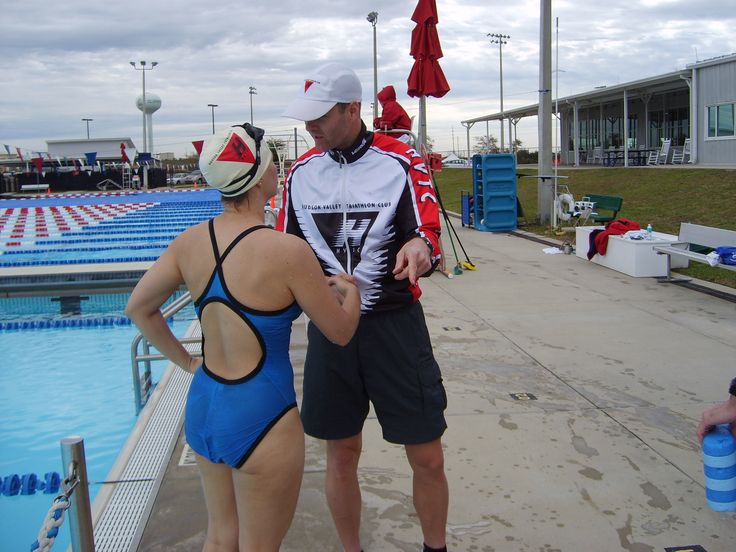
(342, 489)
(431, 494)
(222, 516)
(267, 486)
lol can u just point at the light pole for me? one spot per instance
(500, 39)
(373, 20)
(143, 68)
(87, 121)
(251, 91)
(213, 106)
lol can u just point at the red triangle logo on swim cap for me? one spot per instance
(307, 84)
(237, 150)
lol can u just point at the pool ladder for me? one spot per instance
(141, 355)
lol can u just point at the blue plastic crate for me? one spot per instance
(494, 192)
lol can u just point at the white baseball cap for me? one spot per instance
(324, 87)
(234, 159)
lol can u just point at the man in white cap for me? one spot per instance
(366, 205)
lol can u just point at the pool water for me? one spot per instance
(132, 228)
(57, 382)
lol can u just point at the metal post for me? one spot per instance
(138, 396)
(500, 39)
(545, 195)
(213, 106)
(143, 70)
(500, 68)
(373, 20)
(296, 151)
(145, 130)
(626, 129)
(87, 121)
(80, 512)
(251, 91)
(467, 137)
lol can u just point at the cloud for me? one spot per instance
(64, 63)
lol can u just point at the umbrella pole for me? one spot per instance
(422, 135)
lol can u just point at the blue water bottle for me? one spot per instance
(719, 465)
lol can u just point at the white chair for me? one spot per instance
(664, 152)
(679, 154)
(653, 155)
(597, 156)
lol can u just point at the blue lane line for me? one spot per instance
(207, 194)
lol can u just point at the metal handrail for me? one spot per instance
(142, 384)
(399, 131)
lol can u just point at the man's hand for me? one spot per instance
(412, 260)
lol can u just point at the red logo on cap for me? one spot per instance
(237, 150)
(308, 83)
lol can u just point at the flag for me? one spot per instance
(91, 158)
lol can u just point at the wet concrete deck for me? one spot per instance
(603, 458)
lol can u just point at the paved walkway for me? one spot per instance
(600, 456)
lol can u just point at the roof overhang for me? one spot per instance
(668, 82)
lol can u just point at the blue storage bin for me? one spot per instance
(494, 192)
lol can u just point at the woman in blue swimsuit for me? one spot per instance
(250, 283)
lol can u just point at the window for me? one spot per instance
(721, 121)
(677, 125)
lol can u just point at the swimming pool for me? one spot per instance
(60, 380)
(98, 229)
(67, 358)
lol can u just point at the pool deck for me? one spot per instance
(604, 455)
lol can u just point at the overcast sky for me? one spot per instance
(61, 62)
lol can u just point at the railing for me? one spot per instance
(141, 358)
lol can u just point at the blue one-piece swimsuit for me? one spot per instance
(226, 419)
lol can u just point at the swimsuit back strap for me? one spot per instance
(237, 240)
(213, 240)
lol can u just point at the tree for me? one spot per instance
(485, 144)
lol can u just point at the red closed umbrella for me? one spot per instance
(426, 77)
(123, 156)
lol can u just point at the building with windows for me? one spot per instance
(693, 108)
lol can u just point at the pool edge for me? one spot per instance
(137, 473)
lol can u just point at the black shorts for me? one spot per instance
(389, 362)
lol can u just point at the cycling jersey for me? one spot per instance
(357, 207)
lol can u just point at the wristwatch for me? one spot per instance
(732, 387)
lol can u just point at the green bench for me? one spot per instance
(607, 203)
